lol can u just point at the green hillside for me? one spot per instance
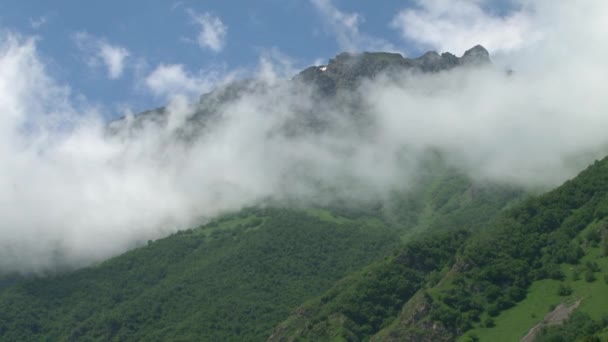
(205, 284)
(493, 286)
(241, 275)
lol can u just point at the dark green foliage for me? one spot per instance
(232, 284)
(471, 337)
(579, 327)
(593, 237)
(372, 298)
(488, 323)
(589, 276)
(592, 266)
(564, 290)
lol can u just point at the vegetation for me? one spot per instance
(371, 299)
(230, 280)
(538, 240)
(579, 327)
(528, 243)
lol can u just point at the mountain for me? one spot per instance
(342, 75)
(448, 257)
(347, 70)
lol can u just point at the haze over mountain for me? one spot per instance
(441, 177)
(96, 194)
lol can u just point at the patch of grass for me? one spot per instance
(514, 323)
(594, 294)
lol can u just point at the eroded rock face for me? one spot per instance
(346, 70)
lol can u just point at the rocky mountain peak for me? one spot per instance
(346, 70)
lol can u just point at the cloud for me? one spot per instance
(99, 51)
(212, 33)
(113, 57)
(345, 27)
(75, 190)
(457, 25)
(37, 23)
(173, 79)
(170, 80)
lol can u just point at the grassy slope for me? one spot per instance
(542, 296)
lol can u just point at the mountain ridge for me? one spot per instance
(343, 72)
(347, 69)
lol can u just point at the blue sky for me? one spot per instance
(79, 41)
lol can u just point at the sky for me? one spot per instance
(105, 50)
(72, 194)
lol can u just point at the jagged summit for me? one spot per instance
(346, 69)
(476, 55)
(343, 72)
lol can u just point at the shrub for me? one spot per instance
(564, 290)
(589, 276)
(489, 323)
(576, 274)
(592, 266)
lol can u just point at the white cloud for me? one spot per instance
(173, 79)
(212, 33)
(345, 27)
(457, 25)
(99, 51)
(114, 59)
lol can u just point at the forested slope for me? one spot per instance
(476, 276)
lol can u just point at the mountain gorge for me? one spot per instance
(356, 235)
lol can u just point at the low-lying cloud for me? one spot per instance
(73, 193)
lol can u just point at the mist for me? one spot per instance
(71, 194)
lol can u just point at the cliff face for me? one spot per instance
(347, 70)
